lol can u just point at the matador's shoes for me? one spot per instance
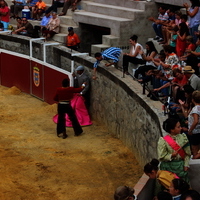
(77, 134)
(64, 136)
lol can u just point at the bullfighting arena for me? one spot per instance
(36, 164)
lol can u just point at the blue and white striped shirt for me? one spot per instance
(111, 53)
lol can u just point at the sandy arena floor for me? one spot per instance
(36, 164)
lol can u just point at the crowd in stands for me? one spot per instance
(174, 75)
(38, 10)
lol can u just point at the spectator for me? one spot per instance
(40, 7)
(171, 61)
(18, 6)
(163, 178)
(181, 39)
(190, 47)
(194, 123)
(174, 149)
(45, 21)
(193, 13)
(5, 15)
(193, 57)
(151, 53)
(174, 35)
(19, 22)
(178, 15)
(55, 4)
(133, 56)
(177, 187)
(26, 28)
(193, 79)
(67, 5)
(157, 23)
(52, 27)
(190, 195)
(72, 40)
(187, 106)
(124, 192)
(176, 84)
(169, 24)
(31, 5)
(112, 53)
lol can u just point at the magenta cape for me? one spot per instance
(81, 112)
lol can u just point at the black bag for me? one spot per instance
(153, 95)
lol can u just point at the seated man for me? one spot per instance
(55, 4)
(31, 5)
(112, 53)
(39, 9)
(157, 23)
(45, 21)
(67, 5)
(18, 6)
(72, 40)
(26, 28)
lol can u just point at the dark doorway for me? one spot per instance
(91, 34)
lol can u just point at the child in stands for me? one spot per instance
(177, 187)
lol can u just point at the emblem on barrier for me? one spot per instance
(36, 76)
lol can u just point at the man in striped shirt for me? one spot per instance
(157, 23)
(112, 53)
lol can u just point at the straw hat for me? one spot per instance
(188, 70)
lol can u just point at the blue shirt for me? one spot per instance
(23, 2)
(111, 53)
(33, 2)
(45, 20)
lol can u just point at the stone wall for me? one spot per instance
(116, 102)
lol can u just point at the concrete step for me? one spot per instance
(125, 3)
(110, 40)
(114, 23)
(111, 10)
(98, 48)
(64, 28)
(67, 19)
(60, 37)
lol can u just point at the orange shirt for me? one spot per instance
(72, 40)
(41, 5)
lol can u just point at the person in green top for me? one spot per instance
(174, 149)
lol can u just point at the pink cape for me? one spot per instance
(81, 112)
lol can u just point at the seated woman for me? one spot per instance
(193, 59)
(134, 55)
(174, 149)
(52, 27)
(151, 53)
